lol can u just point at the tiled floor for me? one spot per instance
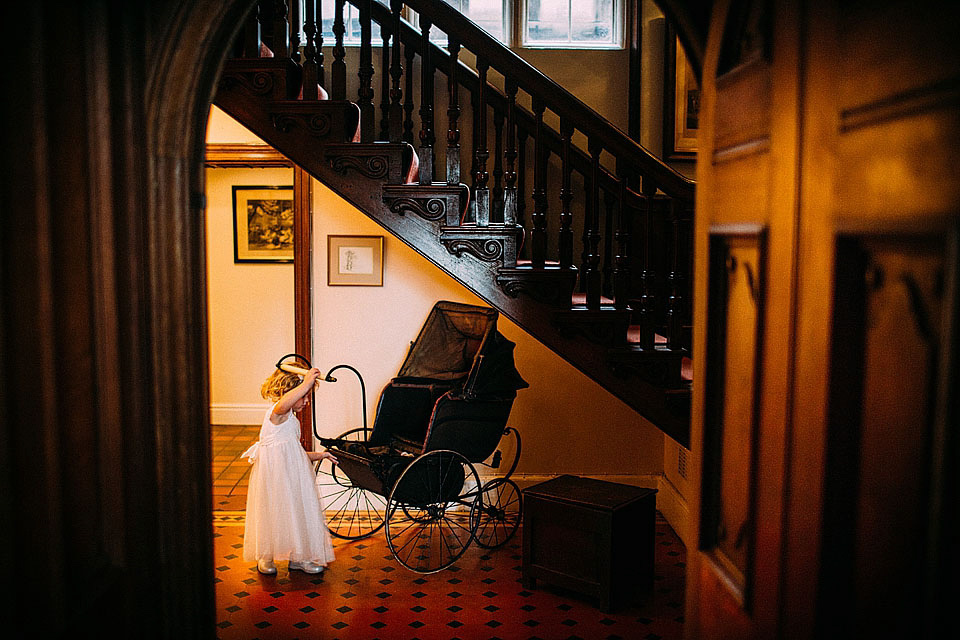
(366, 593)
(230, 472)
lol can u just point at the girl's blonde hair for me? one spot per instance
(279, 382)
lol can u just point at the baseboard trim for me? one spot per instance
(673, 506)
(237, 414)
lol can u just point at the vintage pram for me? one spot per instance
(415, 473)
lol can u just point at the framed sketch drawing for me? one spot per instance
(355, 260)
(682, 103)
(262, 224)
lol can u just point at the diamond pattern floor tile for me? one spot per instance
(364, 593)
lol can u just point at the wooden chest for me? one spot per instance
(590, 536)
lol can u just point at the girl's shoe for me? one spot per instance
(266, 566)
(306, 567)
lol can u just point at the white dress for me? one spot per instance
(284, 516)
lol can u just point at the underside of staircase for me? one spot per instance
(450, 223)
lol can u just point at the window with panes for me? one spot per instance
(587, 24)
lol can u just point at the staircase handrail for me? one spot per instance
(555, 97)
(469, 78)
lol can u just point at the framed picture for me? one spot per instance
(681, 111)
(262, 224)
(355, 260)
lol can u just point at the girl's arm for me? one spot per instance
(321, 455)
(291, 398)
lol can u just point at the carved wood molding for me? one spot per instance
(551, 286)
(250, 155)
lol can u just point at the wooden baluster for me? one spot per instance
(521, 184)
(566, 196)
(384, 84)
(409, 52)
(427, 136)
(510, 155)
(591, 267)
(607, 233)
(497, 199)
(453, 115)
(294, 9)
(279, 44)
(473, 155)
(318, 42)
(481, 191)
(338, 71)
(510, 174)
(396, 71)
(248, 44)
(265, 10)
(621, 263)
(365, 73)
(674, 278)
(310, 73)
(538, 235)
(645, 313)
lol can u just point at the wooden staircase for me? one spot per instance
(621, 314)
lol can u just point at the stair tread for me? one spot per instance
(581, 299)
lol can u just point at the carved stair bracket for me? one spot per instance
(489, 244)
(659, 366)
(377, 161)
(316, 124)
(326, 120)
(552, 285)
(271, 78)
(435, 203)
(607, 325)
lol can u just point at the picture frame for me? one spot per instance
(355, 261)
(681, 111)
(262, 223)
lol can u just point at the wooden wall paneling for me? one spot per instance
(880, 124)
(893, 321)
(748, 171)
(303, 282)
(700, 604)
(817, 162)
(728, 509)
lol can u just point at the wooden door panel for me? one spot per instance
(730, 429)
(891, 325)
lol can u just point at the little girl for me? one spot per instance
(284, 519)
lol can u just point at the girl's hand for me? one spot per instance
(328, 456)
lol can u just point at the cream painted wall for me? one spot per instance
(249, 305)
(568, 423)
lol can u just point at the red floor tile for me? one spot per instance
(365, 593)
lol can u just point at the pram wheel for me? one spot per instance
(428, 513)
(352, 512)
(495, 515)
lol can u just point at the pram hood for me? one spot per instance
(461, 341)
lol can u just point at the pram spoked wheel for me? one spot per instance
(495, 515)
(352, 512)
(429, 524)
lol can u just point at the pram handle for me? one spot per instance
(300, 371)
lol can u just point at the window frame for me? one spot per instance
(514, 24)
(617, 43)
